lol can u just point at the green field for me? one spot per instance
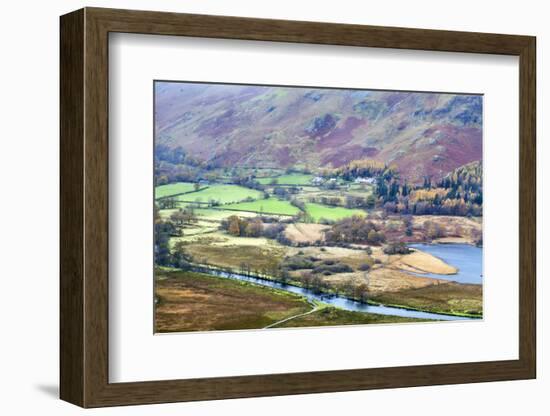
(173, 189)
(318, 211)
(290, 179)
(224, 194)
(266, 206)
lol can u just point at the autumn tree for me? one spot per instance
(234, 226)
(433, 230)
(254, 228)
(355, 229)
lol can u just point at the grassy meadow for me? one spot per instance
(172, 189)
(222, 194)
(266, 206)
(320, 211)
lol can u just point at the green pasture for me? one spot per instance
(173, 189)
(224, 194)
(265, 206)
(318, 211)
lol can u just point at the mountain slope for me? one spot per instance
(239, 125)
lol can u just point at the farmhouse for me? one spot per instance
(368, 181)
(318, 180)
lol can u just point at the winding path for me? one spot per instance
(292, 317)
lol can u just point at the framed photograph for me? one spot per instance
(256, 207)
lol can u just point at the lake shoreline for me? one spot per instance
(465, 258)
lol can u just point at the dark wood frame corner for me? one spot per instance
(84, 207)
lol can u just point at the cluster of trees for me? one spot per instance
(316, 265)
(164, 230)
(348, 288)
(352, 201)
(390, 189)
(312, 278)
(168, 203)
(329, 267)
(175, 165)
(181, 218)
(174, 156)
(254, 227)
(455, 207)
(355, 229)
(270, 271)
(433, 230)
(397, 248)
(247, 181)
(365, 168)
(314, 268)
(180, 257)
(353, 290)
(298, 262)
(314, 282)
(460, 193)
(242, 227)
(164, 256)
(285, 192)
(465, 183)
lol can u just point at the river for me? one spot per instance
(335, 300)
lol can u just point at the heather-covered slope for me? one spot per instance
(424, 134)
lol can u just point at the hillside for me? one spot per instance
(424, 134)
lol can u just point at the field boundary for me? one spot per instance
(181, 193)
(221, 208)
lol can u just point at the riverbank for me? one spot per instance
(330, 316)
(192, 301)
(424, 295)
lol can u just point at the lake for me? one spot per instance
(466, 258)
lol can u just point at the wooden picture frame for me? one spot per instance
(84, 207)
